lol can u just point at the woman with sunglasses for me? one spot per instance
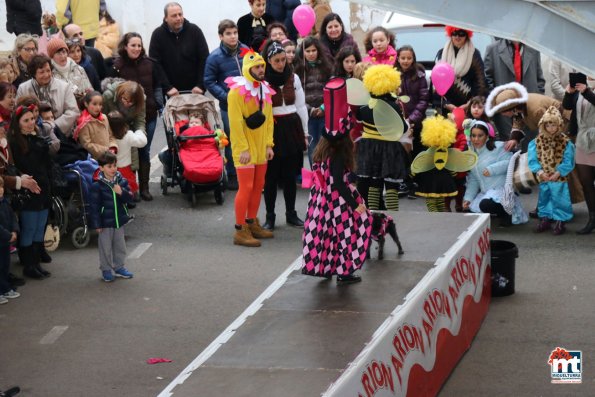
(466, 60)
(31, 149)
(25, 48)
(53, 91)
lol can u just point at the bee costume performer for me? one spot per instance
(381, 159)
(434, 167)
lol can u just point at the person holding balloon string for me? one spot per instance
(459, 72)
(314, 70)
(433, 168)
(381, 158)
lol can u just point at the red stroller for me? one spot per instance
(197, 162)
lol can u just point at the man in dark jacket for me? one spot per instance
(74, 32)
(507, 61)
(222, 63)
(282, 11)
(181, 49)
(23, 16)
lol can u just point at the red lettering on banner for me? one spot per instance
(377, 376)
(436, 303)
(407, 338)
(428, 327)
(454, 294)
(398, 366)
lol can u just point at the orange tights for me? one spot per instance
(251, 182)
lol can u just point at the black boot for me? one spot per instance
(44, 257)
(26, 258)
(37, 247)
(144, 172)
(292, 219)
(590, 226)
(270, 222)
(15, 281)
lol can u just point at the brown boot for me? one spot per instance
(245, 238)
(257, 230)
(144, 172)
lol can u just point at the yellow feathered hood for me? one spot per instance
(250, 58)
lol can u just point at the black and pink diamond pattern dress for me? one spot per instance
(336, 237)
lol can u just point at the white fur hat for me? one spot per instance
(505, 97)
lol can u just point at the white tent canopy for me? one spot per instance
(563, 30)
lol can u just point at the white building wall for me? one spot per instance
(144, 16)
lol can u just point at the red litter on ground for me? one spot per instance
(157, 360)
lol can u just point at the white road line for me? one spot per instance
(53, 335)
(231, 329)
(139, 251)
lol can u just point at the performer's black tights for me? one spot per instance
(280, 169)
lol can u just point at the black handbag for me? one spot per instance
(257, 118)
(70, 151)
(18, 198)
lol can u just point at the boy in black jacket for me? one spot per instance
(8, 235)
(109, 213)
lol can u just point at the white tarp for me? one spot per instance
(560, 29)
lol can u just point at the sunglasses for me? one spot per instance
(459, 33)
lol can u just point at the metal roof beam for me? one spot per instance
(563, 30)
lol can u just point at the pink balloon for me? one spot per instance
(443, 75)
(304, 18)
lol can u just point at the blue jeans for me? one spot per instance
(315, 128)
(229, 166)
(32, 227)
(144, 153)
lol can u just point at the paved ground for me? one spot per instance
(72, 335)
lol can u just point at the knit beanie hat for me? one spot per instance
(56, 44)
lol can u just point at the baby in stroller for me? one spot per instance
(200, 158)
(193, 159)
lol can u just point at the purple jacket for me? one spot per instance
(418, 91)
(332, 47)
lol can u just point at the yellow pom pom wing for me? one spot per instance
(460, 161)
(357, 94)
(423, 162)
(387, 121)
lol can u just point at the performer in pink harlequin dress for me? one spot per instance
(338, 225)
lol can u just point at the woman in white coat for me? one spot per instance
(57, 93)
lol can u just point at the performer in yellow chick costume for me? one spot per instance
(251, 131)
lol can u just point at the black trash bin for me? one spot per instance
(504, 254)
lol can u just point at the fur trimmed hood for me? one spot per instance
(505, 97)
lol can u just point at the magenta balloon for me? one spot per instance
(443, 75)
(304, 18)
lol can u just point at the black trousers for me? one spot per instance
(489, 206)
(281, 169)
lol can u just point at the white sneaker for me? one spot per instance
(11, 294)
(3, 300)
